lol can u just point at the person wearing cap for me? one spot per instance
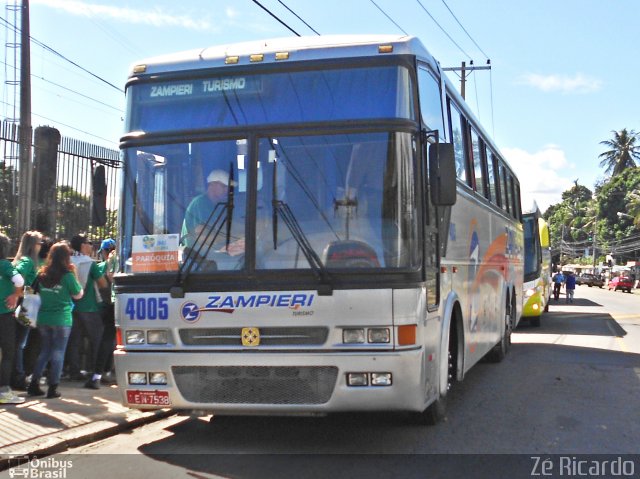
(201, 206)
(87, 313)
(107, 341)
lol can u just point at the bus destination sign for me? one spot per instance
(200, 88)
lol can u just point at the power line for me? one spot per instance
(391, 19)
(298, 17)
(465, 30)
(276, 17)
(443, 30)
(76, 129)
(55, 52)
(77, 93)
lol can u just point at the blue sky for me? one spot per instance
(564, 72)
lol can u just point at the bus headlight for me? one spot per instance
(137, 378)
(381, 379)
(351, 336)
(158, 336)
(530, 292)
(379, 335)
(134, 337)
(157, 378)
(357, 379)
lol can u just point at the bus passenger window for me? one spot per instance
(430, 102)
(477, 162)
(494, 179)
(515, 195)
(506, 197)
(458, 142)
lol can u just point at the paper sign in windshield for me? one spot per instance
(155, 253)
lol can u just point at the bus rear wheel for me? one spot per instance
(500, 350)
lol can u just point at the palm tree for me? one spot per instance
(623, 152)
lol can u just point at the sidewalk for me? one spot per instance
(48, 426)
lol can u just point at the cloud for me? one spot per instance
(538, 175)
(577, 84)
(154, 16)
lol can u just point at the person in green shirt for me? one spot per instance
(87, 314)
(26, 263)
(58, 286)
(11, 283)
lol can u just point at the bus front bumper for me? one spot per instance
(276, 383)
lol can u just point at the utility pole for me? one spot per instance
(26, 167)
(594, 249)
(463, 69)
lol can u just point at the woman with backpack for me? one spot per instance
(58, 286)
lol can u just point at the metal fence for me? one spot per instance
(61, 190)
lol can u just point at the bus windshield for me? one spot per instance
(532, 249)
(216, 101)
(348, 198)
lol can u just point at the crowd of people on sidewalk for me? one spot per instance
(74, 325)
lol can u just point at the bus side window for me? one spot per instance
(458, 141)
(430, 102)
(516, 198)
(506, 198)
(478, 170)
(494, 178)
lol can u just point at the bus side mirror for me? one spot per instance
(442, 174)
(99, 197)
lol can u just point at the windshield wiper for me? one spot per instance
(281, 209)
(220, 215)
(204, 241)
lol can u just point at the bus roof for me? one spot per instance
(298, 49)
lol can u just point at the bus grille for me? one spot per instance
(300, 336)
(256, 384)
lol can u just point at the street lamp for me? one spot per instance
(623, 215)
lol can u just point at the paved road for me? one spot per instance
(569, 387)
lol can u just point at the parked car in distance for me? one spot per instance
(590, 280)
(621, 282)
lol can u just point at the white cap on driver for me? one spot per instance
(220, 176)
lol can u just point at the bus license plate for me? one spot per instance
(148, 398)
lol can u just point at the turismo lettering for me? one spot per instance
(224, 84)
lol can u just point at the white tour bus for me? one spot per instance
(310, 225)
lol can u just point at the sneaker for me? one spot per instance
(8, 397)
(92, 384)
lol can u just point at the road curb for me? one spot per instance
(78, 436)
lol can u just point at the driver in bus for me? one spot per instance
(199, 211)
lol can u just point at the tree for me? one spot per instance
(8, 199)
(613, 197)
(622, 154)
(73, 213)
(633, 206)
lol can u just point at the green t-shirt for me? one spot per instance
(7, 288)
(197, 213)
(89, 302)
(56, 302)
(27, 269)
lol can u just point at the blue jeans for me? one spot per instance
(22, 335)
(53, 345)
